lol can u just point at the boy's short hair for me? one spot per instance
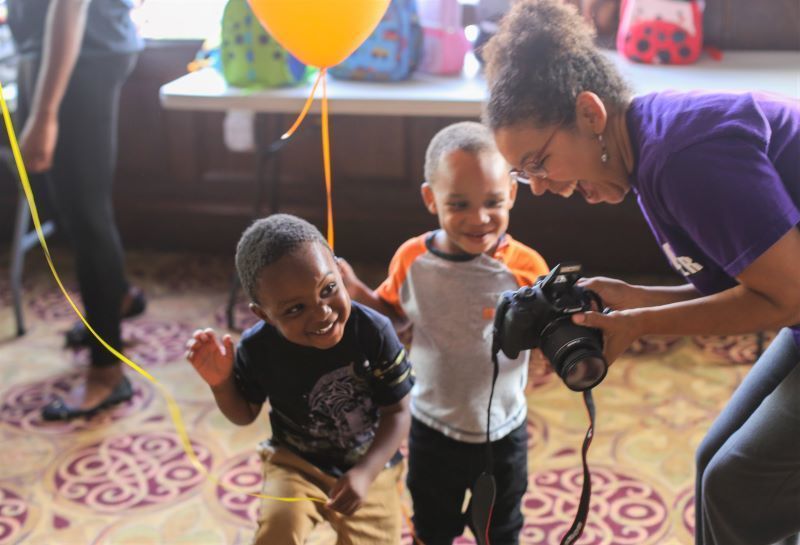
(266, 241)
(466, 136)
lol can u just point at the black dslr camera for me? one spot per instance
(538, 316)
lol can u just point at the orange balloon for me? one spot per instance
(321, 33)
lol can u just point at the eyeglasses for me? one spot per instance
(534, 167)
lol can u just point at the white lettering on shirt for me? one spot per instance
(683, 264)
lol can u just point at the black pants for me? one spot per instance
(441, 470)
(80, 183)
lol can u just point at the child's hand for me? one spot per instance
(349, 277)
(210, 358)
(349, 492)
(405, 332)
(538, 368)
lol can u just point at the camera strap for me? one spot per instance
(579, 523)
(484, 491)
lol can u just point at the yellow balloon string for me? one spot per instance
(172, 405)
(326, 145)
(326, 156)
(305, 109)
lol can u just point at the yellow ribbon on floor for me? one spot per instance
(172, 405)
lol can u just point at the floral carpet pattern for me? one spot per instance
(123, 477)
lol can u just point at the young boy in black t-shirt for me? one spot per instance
(337, 379)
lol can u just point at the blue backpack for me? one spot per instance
(391, 52)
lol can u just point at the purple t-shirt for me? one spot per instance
(717, 177)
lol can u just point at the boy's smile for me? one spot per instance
(302, 295)
(471, 195)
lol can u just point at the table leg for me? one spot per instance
(268, 147)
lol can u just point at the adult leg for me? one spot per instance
(81, 180)
(378, 521)
(748, 466)
(438, 477)
(83, 175)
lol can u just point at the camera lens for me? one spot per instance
(575, 352)
(585, 370)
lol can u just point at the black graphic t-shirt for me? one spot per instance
(324, 403)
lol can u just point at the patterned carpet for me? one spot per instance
(122, 478)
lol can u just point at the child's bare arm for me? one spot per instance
(367, 296)
(213, 361)
(350, 490)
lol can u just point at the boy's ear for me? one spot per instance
(590, 113)
(259, 312)
(427, 198)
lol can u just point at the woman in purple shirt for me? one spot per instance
(717, 177)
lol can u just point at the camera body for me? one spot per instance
(539, 316)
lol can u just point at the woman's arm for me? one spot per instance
(767, 297)
(63, 33)
(619, 295)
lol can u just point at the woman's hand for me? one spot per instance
(212, 360)
(616, 294)
(37, 142)
(620, 329)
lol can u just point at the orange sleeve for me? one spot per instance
(525, 263)
(389, 290)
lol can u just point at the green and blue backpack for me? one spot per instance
(250, 57)
(393, 50)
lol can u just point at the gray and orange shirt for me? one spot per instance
(450, 302)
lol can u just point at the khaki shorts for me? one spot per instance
(377, 522)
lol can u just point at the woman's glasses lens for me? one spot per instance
(520, 177)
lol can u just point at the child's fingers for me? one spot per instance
(336, 502)
(199, 342)
(345, 503)
(335, 494)
(227, 343)
(201, 353)
(203, 335)
(348, 508)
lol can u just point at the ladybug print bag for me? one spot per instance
(661, 31)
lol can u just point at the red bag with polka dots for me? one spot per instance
(661, 31)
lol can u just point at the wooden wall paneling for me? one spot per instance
(179, 188)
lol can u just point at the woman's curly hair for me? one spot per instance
(541, 58)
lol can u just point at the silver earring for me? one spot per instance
(604, 149)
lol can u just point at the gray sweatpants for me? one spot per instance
(748, 465)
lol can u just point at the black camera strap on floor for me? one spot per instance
(484, 491)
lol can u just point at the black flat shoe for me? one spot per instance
(57, 409)
(78, 336)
